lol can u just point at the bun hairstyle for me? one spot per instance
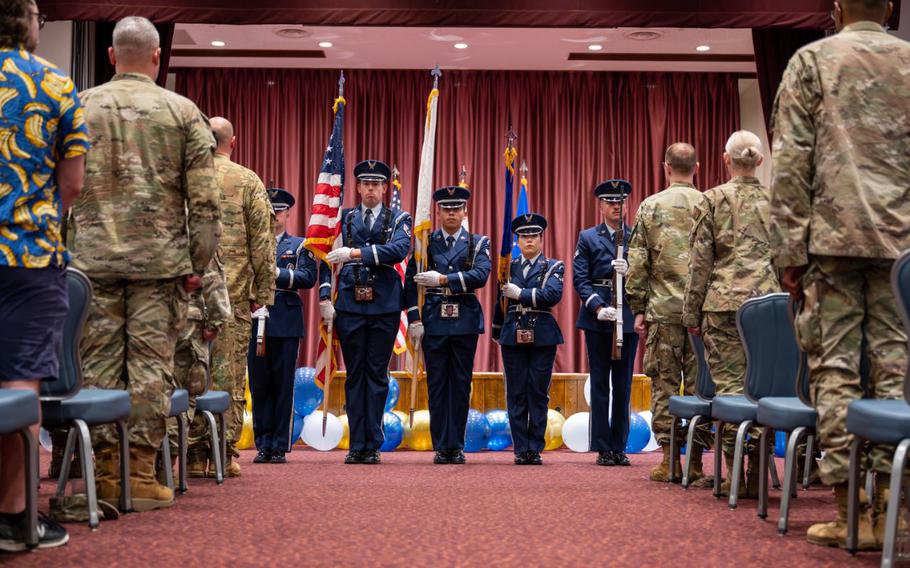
(744, 149)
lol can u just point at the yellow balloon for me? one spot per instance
(345, 442)
(406, 430)
(246, 435)
(553, 435)
(420, 439)
(247, 395)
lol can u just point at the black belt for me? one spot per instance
(607, 282)
(524, 310)
(446, 292)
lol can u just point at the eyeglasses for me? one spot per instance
(42, 19)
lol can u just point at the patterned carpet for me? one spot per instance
(317, 511)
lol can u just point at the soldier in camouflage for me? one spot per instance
(840, 208)
(144, 229)
(730, 262)
(658, 271)
(248, 252)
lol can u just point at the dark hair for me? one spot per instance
(14, 15)
(681, 157)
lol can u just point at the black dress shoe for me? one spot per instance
(521, 458)
(441, 457)
(620, 458)
(605, 458)
(534, 458)
(456, 457)
(264, 456)
(371, 457)
(354, 456)
(278, 457)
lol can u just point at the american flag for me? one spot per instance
(401, 344)
(324, 230)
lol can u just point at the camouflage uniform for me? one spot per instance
(840, 205)
(148, 215)
(730, 262)
(248, 252)
(658, 271)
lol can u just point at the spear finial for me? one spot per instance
(436, 73)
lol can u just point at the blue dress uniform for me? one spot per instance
(452, 320)
(272, 376)
(368, 304)
(593, 280)
(528, 338)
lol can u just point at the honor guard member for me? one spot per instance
(458, 263)
(272, 373)
(593, 266)
(529, 336)
(368, 304)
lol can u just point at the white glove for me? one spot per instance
(607, 314)
(429, 278)
(277, 272)
(511, 291)
(262, 312)
(415, 332)
(339, 255)
(327, 310)
(620, 265)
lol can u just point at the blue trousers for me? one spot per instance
(272, 389)
(528, 371)
(607, 375)
(449, 363)
(366, 345)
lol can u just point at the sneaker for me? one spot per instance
(264, 456)
(12, 533)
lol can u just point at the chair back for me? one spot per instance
(69, 380)
(802, 374)
(900, 284)
(772, 354)
(704, 384)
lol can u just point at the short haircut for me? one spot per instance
(744, 148)
(874, 9)
(14, 24)
(135, 39)
(681, 158)
(223, 130)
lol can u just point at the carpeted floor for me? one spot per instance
(317, 511)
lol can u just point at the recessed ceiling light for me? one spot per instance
(643, 35)
(595, 47)
(460, 46)
(325, 44)
(292, 32)
(703, 48)
(217, 43)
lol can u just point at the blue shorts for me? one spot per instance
(33, 304)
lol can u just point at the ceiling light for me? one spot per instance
(703, 48)
(291, 32)
(460, 46)
(217, 43)
(325, 44)
(643, 35)
(595, 47)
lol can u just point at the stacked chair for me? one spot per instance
(693, 408)
(18, 413)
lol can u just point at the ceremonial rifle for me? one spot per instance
(616, 350)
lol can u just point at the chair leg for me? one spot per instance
(181, 456)
(223, 429)
(870, 480)
(216, 444)
(88, 473)
(737, 474)
(810, 457)
(673, 449)
(126, 501)
(166, 461)
(853, 496)
(690, 440)
(68, 453)
(775, 479)
(894, 503)
(31, 487)
(765, 435)
(789, 486)
(718, 457)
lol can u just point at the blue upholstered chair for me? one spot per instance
(65, 404)
(180, 405)
(693, 408)
(18, 412)
(882, 422)
(214, 403)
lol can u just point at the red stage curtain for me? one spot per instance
(575, 130)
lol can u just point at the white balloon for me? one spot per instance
(652, 443)
(44, 438)
(575, 432)
(588, 390)
(312, 431)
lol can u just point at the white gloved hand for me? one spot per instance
(511, 291)
(620, 265)
(607, 314)
(277, 272)
(262, 312)
(327, 310)
(429, 278)
(339, 255)
(415, 332)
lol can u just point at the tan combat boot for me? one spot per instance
(880, 507)
(146, 492)
(835, 532)
(748, 483)
(107, 473)
(232, 469)
(661, 472)
(196, 462)
(697, 477)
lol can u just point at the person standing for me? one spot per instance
(529, 337)
(144, 230)
(41, 171)
(370, 298)
(593, 266)
(451, 321)
(658, 272)
(840, 212)
(272, 374)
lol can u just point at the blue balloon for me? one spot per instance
(639, 434)
(297, 430)
(393, 430)
(500, 431)
(477, 432)
(394, 393)
(780, 444)
(307, 394)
